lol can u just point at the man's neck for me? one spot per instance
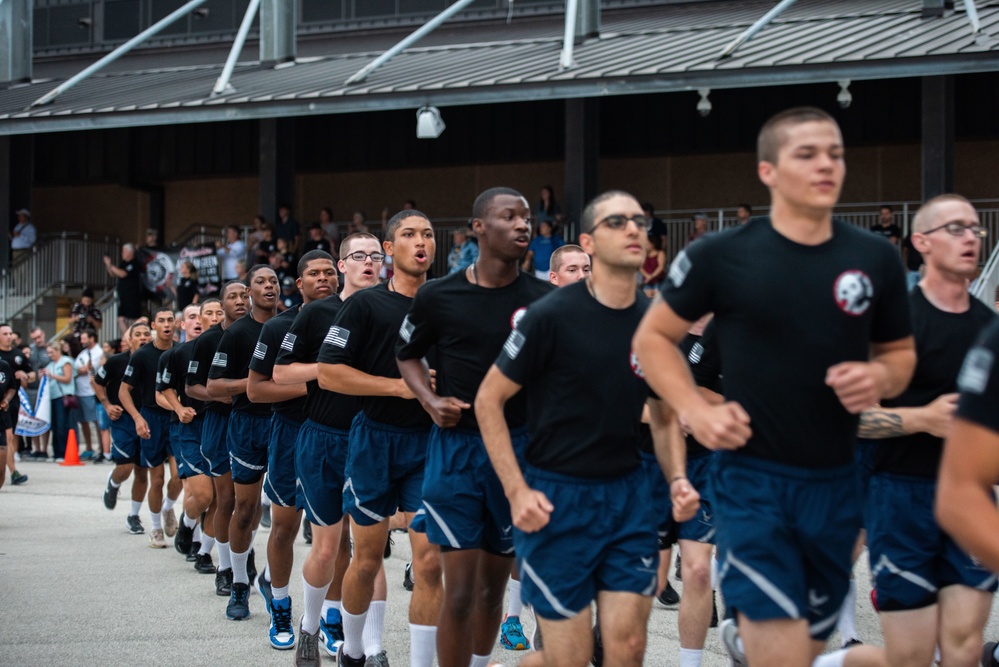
(801, 225)
(163, 344)
(612, 287)
(406, 284)
(946, 291)
(260, 315)
(492, 272)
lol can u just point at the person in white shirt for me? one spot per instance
(231, 252)
(86, 364)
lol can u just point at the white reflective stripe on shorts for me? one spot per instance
(305, 497)
(526, 568)
(349, 485)
(443, 526)
(766, 586)
(884, 563)
(188, 464)
(245, 464)
(280, 501)
(816, 629)
(987, 584)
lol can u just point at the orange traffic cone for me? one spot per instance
(72, 450)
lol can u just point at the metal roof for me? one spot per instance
(662, 49)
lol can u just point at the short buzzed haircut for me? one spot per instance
(556, 259)
(924, 216)
(312, 256)
(255, 269)
(347, 242)
(774, 132)
(485, 200)
(206, 302)
(590, 212)
(396, 222)
(162, 309)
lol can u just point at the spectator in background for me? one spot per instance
(230, 251)
(290, 296)
(886, 226)
(409, 205)
(129, 286)
(60, 373)
(287, 228)
(84, 314)
(700, 227)
(358, 224)
(256, 236)
(539, 252)
(265, 246)
(288, 262)
(187, 285)
(913, 261)
(330, 230)
(463, 253)
(241, 270)
(744, 212)
(276, 262)
(654, 267)
(548, 210)
(89, 359)
(39, 357)
(656, 226)
(316, 240)
(23, 236)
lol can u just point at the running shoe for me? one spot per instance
(988, 655)
(169, 522)
(598, 646)
(182, 542)
(669, 597)
(156, 539)
(729, 633)
(134, 524)
(331, 632)
(203, 564)
(282, 634)
(307, 653)
(307, 531)
(264, 586)
(238, 608)
(379, 659)
(251, 566)
(407, 579)
(344, 660)
(100, 458)
(110, 495)
(17, 478)
(512, 635)
(223, 582)
(87, 455)
(388, 546)
(851, 642)
(676, 569)
(192, 553)
(714, 610)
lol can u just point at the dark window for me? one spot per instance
(121, 20)
(69, 26)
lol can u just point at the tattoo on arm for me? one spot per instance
(876, 423)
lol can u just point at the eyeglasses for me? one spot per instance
(361, 256)
(957, 229)
(621, 221)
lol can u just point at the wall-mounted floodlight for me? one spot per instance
(704, 104)
(429, 124)
(845, 97)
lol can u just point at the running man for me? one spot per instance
(21, 367)
(812, 332)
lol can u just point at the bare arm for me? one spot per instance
(114, 411)
(444, 410)
(671, 452)
(168, 399)
(965, 506)
(125, 396)
(114, 270)
(222, 389)
(350, 381)
(198, 392)
(934, 418)
(862, 384)
(296, 373)
(262, 389)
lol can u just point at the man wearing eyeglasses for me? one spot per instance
(929, 592)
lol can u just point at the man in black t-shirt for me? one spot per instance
(124, 439)
(321, 449)
(152, 423)
(8, 389)
(465, 318)
(249, 428)
(317, 279)
(23, 374)
(929, 591)
(812, 332)
(886, 226)
(580, 489)
(388, 438)
(129, 286)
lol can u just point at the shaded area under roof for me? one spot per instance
(661, 49)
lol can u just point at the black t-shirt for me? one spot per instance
(111, 374)
(264, 354)
(7, 380)
(301, 345)
(200, 364)
(364, 336)
(130, 288)
(17, 362)
(142, 371)
(567, 341)
(172, 370)
(321, 244)
(187, 289)
(888, 232)
(784, 313)
(467, 325)
(232, 361)
(979, 381)
(705, 365)
(942, 340)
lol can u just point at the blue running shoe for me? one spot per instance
(331, 632)
(512, 635)
(238, 608)
(264, 586)
(282, 633)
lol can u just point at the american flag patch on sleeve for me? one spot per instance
(221, 359)
(288, 343)
(260, 351)
(337, 336)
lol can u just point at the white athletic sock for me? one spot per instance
(514, 604)
(225, 555)
(353, 633)
(847, 623)
(111, 481)
(136, 506)
(168, 503)
(374, 626)
(196, 537)
(479, 661)
(207, 544)
(189, 522)
(239, 559)
(834, 659)
(157, 520)
(267, 572)
(265, 500)
(422, 645)
(312, 603)
(280, 593)
(330, 604)
(690, 657)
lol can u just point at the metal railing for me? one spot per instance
(984, 288)
(56, 263)
(108, 305)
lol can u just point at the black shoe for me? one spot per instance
(223, 582)
(988, 655)
(388, 546)
(307, 531)
(134, 525)
(714, 610)
(100, 458)
(192, 553)
(17, 478)
(344, 660)
(182, 541)
(853, 641)
(239, 603)
(598, 646)
(307, 651)
(110, 495)
(203, 564)
(669, 597)
(251, 566)
(407, 581)
(676, 569)
(265, 516)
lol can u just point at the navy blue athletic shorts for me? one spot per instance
(320, 459)
(187, 447)
(213, 438)
(154, 451)
(246, 439)
(281, 483)
(124, 440)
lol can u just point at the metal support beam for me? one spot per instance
(581, 22)
(15, 40)
(223, 85)
(755, 28)
(420, 33)
(277, 165)
(278, 21)
(565, 60)
(938, 135)
(582, 154)
(152, 30)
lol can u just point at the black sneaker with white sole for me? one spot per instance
(223, 582)
(669, 597)
(203, 564)
(110, 495)
(134, 525)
